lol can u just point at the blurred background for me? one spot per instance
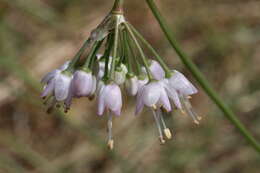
(222, 37)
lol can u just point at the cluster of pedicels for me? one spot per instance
(113, 59)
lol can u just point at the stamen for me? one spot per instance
(91, 97)
(166, 130)
(110, 143)
(188, 108)
(52, 105)
(183, 112)
(154, 107)
(47, 99)
(159, 127)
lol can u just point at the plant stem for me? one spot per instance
(118, 6)
(157, 56)
(133, 55)
(126, 53)
(109, 45)
(146, 65)
(90, 55)
(76, 58)
(94, 55)
(201, 79)
(114, 53)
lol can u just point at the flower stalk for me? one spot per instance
(146, 65)
(229, 114)
(118, 6)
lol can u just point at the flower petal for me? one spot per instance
(172, 93)
(164, 100)
(156, 70)
(182, 84)
(131, 85)
(61, 89)
(151, 94)
(139, 102)
(113, 99)
(48, 88)
(81, 83)
(49, 76)
(101, 100)
(94, 85)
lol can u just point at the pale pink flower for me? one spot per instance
(110, 99)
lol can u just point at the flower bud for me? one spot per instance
(131, 85)
(110, 98)
(120, 74)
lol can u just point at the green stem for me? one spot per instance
(201, 79)
(109, 46)
(126, 53)
(114, 53)
(94, 55)
(76, 58)
(122, 49)
(157, 56)
(90, 55)
(118, 6)
(146, 65)
(129, 45)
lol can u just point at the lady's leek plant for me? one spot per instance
(115, 62)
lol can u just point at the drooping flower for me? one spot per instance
(179, 90)
(110, 98)
(57, 83)
(152, 95)
(131, 85)
(57, 89)
(62, 85)
(83, 84)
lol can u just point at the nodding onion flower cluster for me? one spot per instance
(116, 60)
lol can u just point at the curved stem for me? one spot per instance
(129, 45)
(90, 55)
(114, 53)
(146, 65)
(157, 56)
(109, 45)
(76, 58)
(201, 79)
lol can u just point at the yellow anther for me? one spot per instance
(167, 133)
(162, 141)
(196, 122)
(110, 144)
(154, 107)
(183, 112)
